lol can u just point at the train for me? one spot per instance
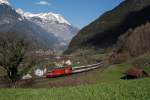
(59, 72)
(68, 70)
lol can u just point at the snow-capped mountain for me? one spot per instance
(4, 2)
(12, 22)
(45, 16)
(53, 23)
(48, 28)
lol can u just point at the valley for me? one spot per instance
(43, 56)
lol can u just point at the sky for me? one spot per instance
(78, 12)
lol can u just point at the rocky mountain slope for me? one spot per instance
(105, 31)
(12, 22)
(135, 41)
(53, 23)
(46, 30)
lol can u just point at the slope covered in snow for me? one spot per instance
(48, 28)
(53, 23)
(45, 16)
(4, 2)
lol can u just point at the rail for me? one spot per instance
(87, 68)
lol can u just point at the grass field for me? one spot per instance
(104, 84)
(118, 90)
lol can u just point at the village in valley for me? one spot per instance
(49, 60)
(54, 62)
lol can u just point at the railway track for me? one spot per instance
(75, 70)
(80, 69)
(87, 68)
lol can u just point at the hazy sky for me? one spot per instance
(77, 12)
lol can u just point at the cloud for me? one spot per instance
(43, 2)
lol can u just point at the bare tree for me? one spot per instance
(12, 56)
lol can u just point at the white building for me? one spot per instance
(68, 62)
(27, 76)
(40, 72)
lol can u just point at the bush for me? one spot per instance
(142, 61)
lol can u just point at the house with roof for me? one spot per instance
(134, 73)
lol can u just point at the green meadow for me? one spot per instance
(117, 90)
(108, 86)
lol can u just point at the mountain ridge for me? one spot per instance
(49, 28)
(46, 16)
(12, 22)
(53, 23)
(4, 2)
(105, 31)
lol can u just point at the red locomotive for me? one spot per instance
(59, 72)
